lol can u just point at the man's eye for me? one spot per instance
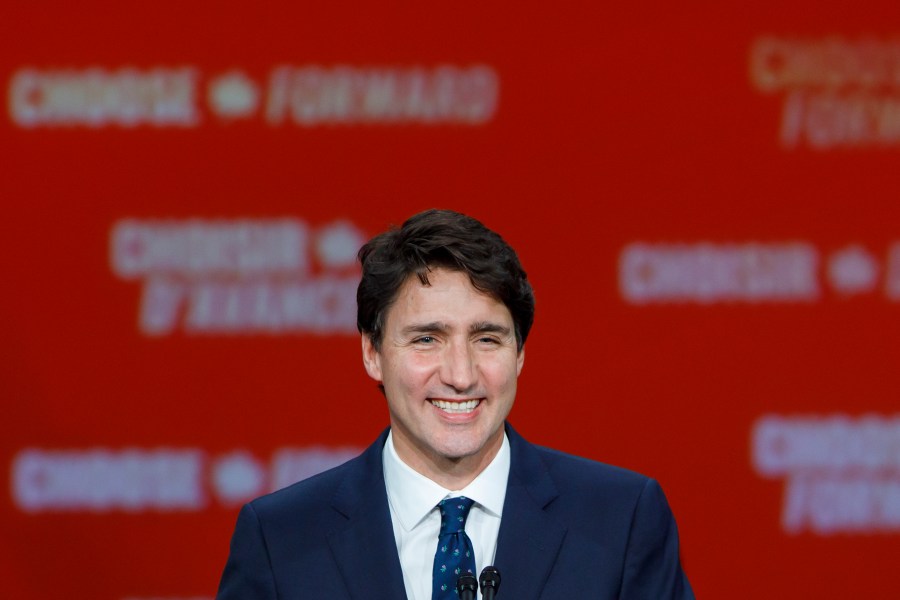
(488, 340)
(425, 339)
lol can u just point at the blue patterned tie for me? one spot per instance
(454, 552)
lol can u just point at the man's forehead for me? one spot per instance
(449, 299)
(439, 279)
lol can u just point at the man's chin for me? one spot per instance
(468, 447)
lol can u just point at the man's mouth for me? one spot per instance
(456, 408)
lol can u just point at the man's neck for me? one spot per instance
(452, 473)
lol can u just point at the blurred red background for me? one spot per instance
(750, 150)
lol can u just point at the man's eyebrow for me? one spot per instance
(433, 327)
(488, 327)
(441, 327)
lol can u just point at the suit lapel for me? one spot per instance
(529, 540)
(527, 545)
(365, 550)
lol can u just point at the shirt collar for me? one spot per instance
(413, 496)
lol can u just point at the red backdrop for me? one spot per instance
(705, 197)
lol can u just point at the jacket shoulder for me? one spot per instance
(302, 494)
(584, 473)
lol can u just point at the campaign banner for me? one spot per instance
(704, 198)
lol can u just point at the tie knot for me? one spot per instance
(453, 514)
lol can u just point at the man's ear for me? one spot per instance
(371, 358)
(520, 361)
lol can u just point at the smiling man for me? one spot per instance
(444, 309)
(448, 360)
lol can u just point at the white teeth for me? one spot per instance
(456, 407)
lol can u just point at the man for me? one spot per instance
(444, 309)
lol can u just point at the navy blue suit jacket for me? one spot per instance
(571, 529)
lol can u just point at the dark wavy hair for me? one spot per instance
(440, 239)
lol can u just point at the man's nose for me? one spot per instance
(458, 368)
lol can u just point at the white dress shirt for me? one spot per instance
(413, 499)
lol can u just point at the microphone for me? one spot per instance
(490, 582)
(466, 586)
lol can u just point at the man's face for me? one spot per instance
(449, 364)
